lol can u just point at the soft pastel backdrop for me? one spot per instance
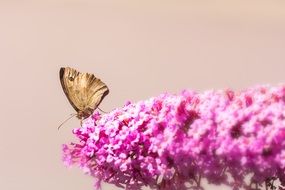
(139, 48)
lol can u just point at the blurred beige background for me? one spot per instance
(139, 48)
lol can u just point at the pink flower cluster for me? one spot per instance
(171, 142)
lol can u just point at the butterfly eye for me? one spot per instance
(71, 78)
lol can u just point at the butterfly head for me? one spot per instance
(84, 114)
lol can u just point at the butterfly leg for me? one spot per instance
(101, 110)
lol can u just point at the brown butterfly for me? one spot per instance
(83, 90)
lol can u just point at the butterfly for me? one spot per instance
(84, 91)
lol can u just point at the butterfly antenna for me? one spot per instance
(71, 116)
(101, 110)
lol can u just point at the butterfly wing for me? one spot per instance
(83, 90)
(97, 91)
